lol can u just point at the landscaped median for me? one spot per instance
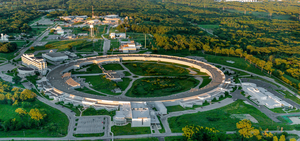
(128, 130)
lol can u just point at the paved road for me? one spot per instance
(22, 51)
(99, 138)
(68, 112)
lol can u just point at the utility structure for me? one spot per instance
(92, 30)
(93, 16)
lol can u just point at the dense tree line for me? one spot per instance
(8, 47)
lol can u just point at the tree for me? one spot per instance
(262, 64)
(21, 111)
(2, 96)
(239, 52)
(292, 139)
(206, 48)
(17, 79)
(282, 138)
(36, 115)
(246, 129)
(31, 48)
(70, 47)
(275, 138)
(27, 94)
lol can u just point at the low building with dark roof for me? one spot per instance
(55, 56)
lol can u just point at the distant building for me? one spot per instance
(93, 22)
(82, 34)
(129, 46)
(59, 30)
(74, 18)
(117, 35)
(37, 63)
(25, 71)
(111, 19)
(55, 56)
(4, 37)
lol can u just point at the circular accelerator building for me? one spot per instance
(61, 85)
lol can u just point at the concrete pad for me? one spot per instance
(244, 116)
(295, 120)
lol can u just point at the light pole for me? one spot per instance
(112, 137)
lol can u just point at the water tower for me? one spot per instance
(92, 30)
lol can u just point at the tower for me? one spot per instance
(93, 12)
(92, 30)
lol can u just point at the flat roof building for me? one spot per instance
(55, 56)
(37, 63)
(264, 97)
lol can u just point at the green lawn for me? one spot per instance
(139, 139)
(89, 135)
(8, 56)
(128, 130)
(277, 110)
(162, 86)
(114, 44)
(150, 69)
(112, 67)
(205, 81)
(124, 84)
(54, 116)
(20, 44)
(92, 111)
(127, 73)
(101, 84)
(92, 68)
(221, 120)
(86, 90)
(175, 138)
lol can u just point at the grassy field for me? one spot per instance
(221, 120)
(239, 62)
(289, 96)
(205, 81)
(101, 84)
(128, 130)
(92, 68)
(114, 43)
(124, 84)
(8, 56)
(63, 45)
(86, 90)
(54, 116)
(175, 138)
(162, 86)
(127, 73)
(150, 69)
(112, 67)
(139, 139)
(92, 111)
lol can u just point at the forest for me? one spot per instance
(267, 34)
